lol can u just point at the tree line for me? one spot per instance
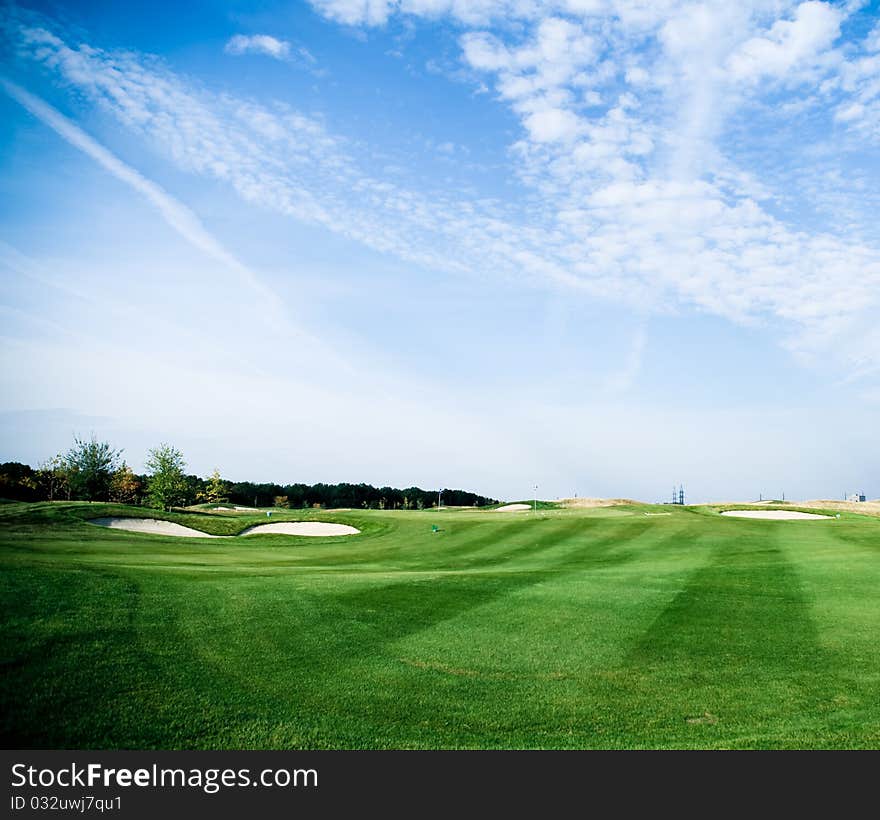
(93, 470)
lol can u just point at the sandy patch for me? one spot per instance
(778, 515)
(153, 526)
(311, 528)
(863, 507)
(588, 503)
(705, 718)
(514, 508)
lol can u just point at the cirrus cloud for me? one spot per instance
(630, 192)
(258, 44)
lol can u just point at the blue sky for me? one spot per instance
(603, 246)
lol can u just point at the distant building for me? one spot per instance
(856, 497)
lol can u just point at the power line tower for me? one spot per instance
(681, 495)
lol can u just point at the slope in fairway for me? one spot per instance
(567, 628)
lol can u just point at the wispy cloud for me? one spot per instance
(625, 376)
(258, 44)
(356, 12)
(789, 43)
(630, 192)
(859, 80)
(623, 108)
(175, 214)
(178, 217)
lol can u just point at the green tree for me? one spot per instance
(53, 476)
(18, 481)
(90, 464)
(125, 486)
(216, 489)
(167, 484)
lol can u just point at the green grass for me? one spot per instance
(565, 628)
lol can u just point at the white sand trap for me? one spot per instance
(513, 508)
(777, 515)
(153, 526)
(301, 528)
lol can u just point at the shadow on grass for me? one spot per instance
(734, 659)
(75, 671)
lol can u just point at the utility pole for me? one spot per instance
(536, 498)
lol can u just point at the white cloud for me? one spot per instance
(469, 12)
(850, 112)
(551, 59)
(552, 125)
(258, 44)
(356, 12)
(789, 43)
(177, 215)
(534, 76)
(859, 82)
(633, 201)
(872, 41)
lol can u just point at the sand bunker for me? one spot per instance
(154, 526)
(777, 515)
(310, 528)
(151, 525)
(513, 508)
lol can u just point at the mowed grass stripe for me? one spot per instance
(840, 578)
(425, 613)
(536, 541)
(737, 648)
(86, 677)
